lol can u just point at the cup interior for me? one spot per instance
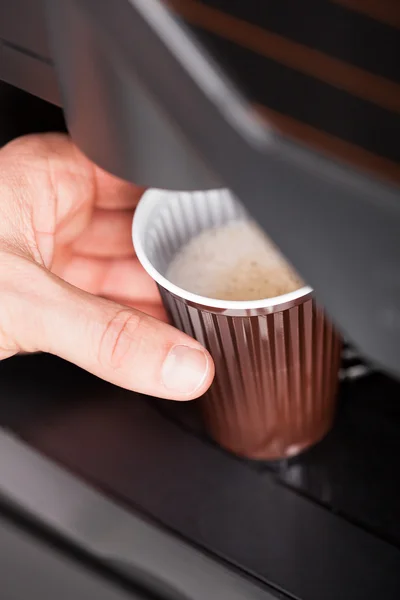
(165, 221)
(180, 216)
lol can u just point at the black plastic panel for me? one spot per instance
(348, 35)
(28, 72)
(30, 569)
(22, 22)
(308, 100)
(353, 472)
(241, 513)
(118, 546)
(26, 114)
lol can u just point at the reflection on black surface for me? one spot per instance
(250, 514)
(353, 471)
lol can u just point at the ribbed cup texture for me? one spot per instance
(276, 367)
(276, 377)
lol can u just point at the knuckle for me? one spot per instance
(120, 338)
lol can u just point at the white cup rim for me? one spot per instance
(147, 203)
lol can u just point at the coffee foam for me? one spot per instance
(234, 262)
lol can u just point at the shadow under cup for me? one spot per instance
(276, 360)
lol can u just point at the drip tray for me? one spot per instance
(354, 471)
(324, 525)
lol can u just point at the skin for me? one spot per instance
(70, 283)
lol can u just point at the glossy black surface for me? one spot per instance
(308, 100)
(328, 27)
(249, 514)
(26, 114)
(31, 569)
(354, 471)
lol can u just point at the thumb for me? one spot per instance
(116, 343)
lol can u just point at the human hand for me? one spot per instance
(68, 272)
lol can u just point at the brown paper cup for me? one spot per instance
(277, 360)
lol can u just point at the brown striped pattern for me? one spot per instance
(313, 63)
(330, 144)
(386, 11)
(326, 68)
(274, 391)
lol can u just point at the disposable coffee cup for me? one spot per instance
(276, 360)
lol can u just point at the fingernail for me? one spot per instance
(184, 370)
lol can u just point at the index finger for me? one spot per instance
(115, 193)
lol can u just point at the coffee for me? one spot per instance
(236, 261)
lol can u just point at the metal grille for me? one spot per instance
(353, 366)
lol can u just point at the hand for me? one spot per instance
(66, 257)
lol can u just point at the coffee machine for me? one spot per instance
(295, 107)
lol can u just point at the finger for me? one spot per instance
(153, 309)
(114, 193)
(65, 170)
(118, 344)
(124, 278)
(70, 186)
(157, 311)
(107, 235)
